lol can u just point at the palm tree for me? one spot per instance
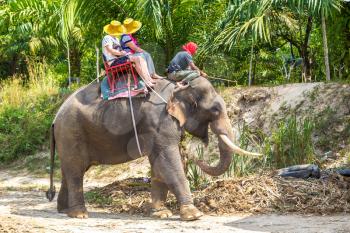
(157, 15)
(267, 19)
(28, 26)
(171, 21)
(339, 41)
(325, 48)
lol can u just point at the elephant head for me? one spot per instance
(196, 105)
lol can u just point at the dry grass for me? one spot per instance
(14, 93)
(262, 194)
(254, 194)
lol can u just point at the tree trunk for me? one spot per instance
(13, 64)
(325, 48)
(97, 64)
(305, 51)
(169, 46)
(256, 56)
(69, 68)
(251, 65)
(168, 53)
(75, 60)
(169, 39)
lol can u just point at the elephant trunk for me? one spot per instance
(222, 128)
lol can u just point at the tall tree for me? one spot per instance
(325, 48)
(157, 15)
(170, 21)
(29, 28)
(268, 20)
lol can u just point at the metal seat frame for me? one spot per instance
(118, 73)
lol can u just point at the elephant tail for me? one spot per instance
(50, 193)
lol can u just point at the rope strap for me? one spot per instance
(133, 117)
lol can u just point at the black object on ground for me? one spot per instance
(300, 171)
(344, 172)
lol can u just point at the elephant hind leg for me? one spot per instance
(159, 194)
(62, 199)
(74, 182)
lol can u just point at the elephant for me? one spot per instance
(88, 130)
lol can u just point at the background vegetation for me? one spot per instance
(43, 44)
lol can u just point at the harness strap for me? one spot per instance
(156, 93)
(133, 117)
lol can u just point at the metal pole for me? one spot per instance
(69, 68)
(97, 65)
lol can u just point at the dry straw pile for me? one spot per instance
(254, 194)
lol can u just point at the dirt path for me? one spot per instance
(24, 208)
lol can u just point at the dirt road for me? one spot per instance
(24, 208)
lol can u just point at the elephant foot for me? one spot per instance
(62, 211)
(161, 213)
(77, 212)
(189, 212)
(62, 208)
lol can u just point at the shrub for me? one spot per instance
(194, 174)
(243, 165)
(26, 112)
(291, 143)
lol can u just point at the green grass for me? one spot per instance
(328, 137)
(26, 188)
(244, 165)
(26, 112)
(291, 143)
(97, 198)
(38, 165)
(194, 174)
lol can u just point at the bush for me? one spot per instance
(291, 143)
(244, 165)
(24, 129)
(26, 113)
(194, 174)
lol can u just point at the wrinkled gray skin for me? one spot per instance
(90, 131)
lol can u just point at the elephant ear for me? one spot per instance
(175, 109)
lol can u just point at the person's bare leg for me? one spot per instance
(142, 71)
(143, 64)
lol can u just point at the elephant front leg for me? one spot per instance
(167, 165)
(159, 193)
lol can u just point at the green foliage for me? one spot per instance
(24, 129)
(95, 197)
(328, 139)
(26, 113)
(225, 31)
(291, 143)
(244, 165)
(194, 174)
(263, 18)
(230, 34)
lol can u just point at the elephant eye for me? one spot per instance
(216, 109)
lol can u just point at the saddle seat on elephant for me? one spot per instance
(118, 79)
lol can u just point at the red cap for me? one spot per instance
(190, 47)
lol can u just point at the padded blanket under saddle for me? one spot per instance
(121, 89)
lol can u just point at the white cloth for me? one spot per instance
(110, 40)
